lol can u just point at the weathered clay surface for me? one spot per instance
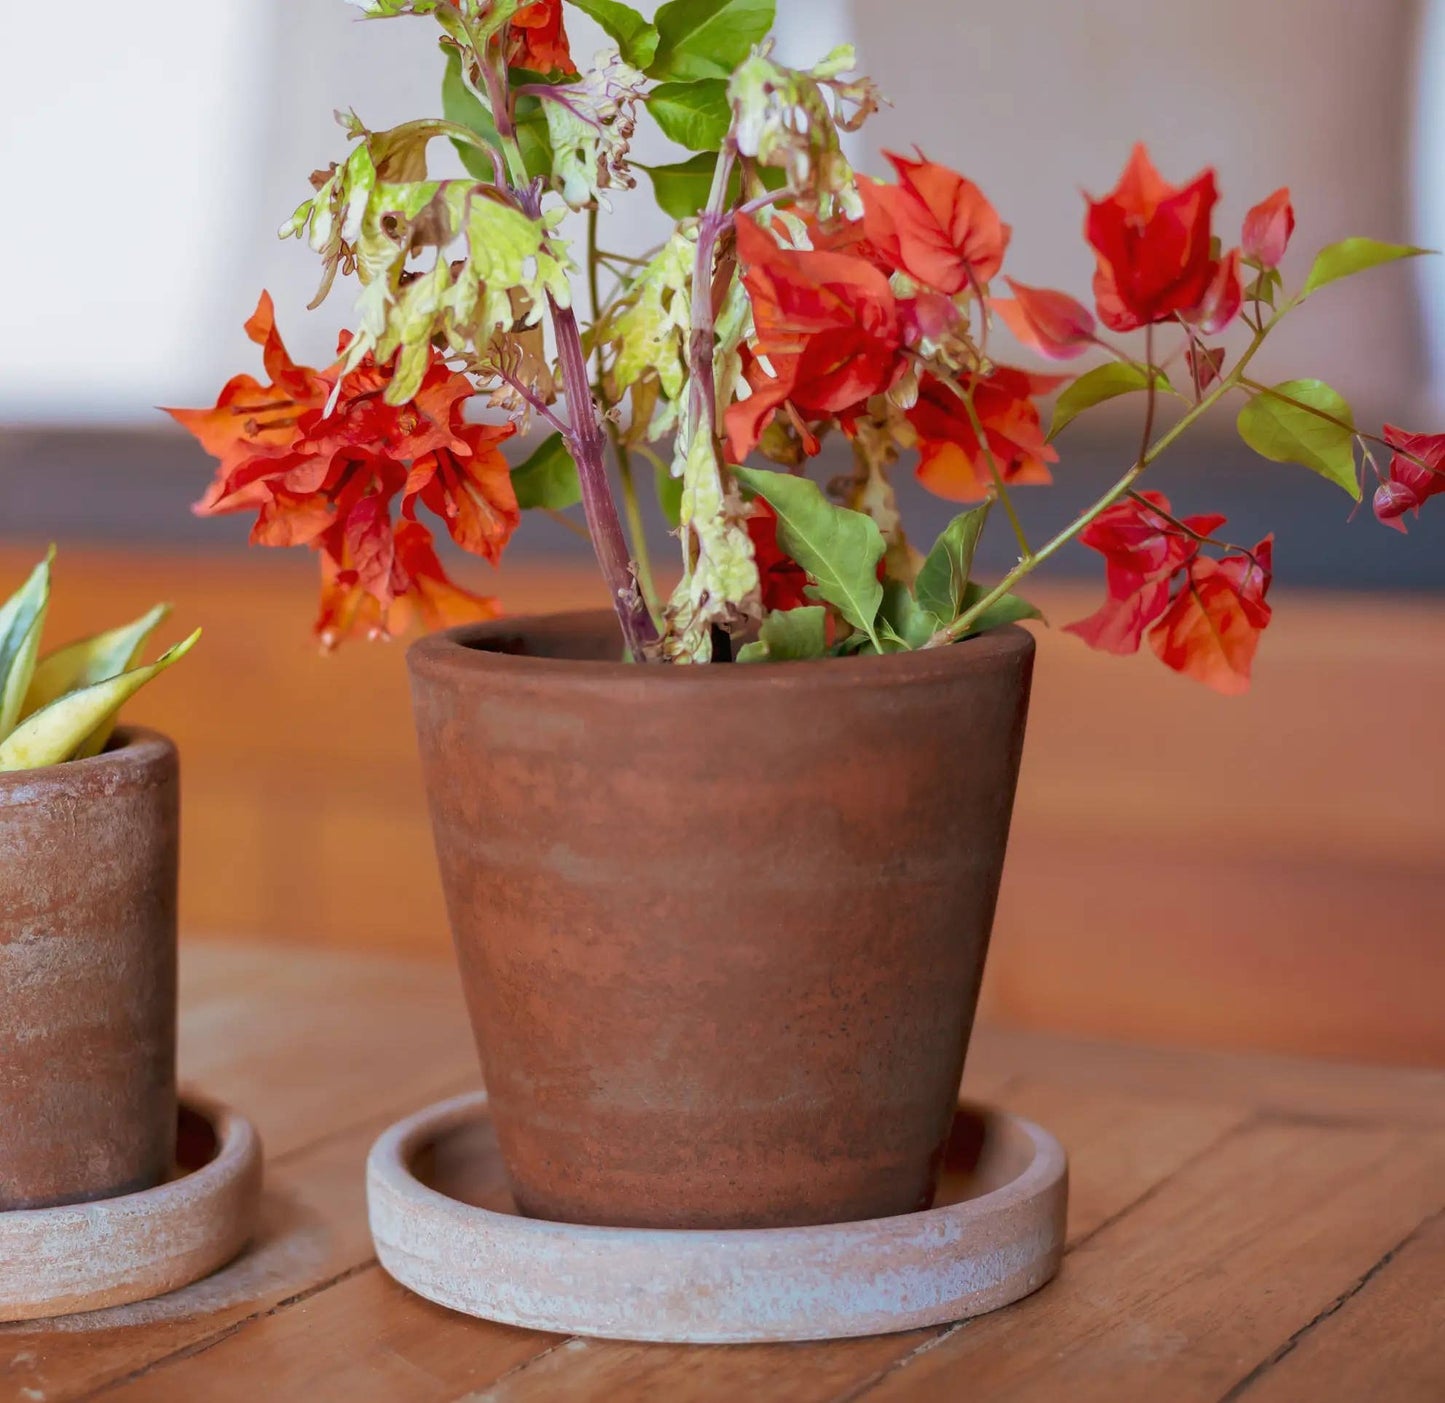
(88, 859)
(721, 929)
(87, 1256)
(999, 1239)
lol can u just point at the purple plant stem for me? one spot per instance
(588, 444)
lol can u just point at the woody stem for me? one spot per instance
(588, 446)
(583, 433)
(614, 433)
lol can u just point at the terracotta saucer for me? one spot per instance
(85, 1256)
(445, 1228)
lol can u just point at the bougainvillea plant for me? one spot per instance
(62, 705)
(794, 299)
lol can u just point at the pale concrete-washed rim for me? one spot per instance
(116, 1251)
(136, 758)
(454, 653)
(397, 1199)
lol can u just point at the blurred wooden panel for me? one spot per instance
(1256, 872)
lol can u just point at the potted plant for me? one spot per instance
(721, 862)
(88, 841)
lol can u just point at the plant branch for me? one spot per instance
(635, 525)
(1150, 454)
(583, 435)
(535, 402)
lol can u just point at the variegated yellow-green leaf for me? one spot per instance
(89, 661)
(839, 548)
(62, 730)
(22, 617)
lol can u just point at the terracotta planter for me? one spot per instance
(721, 929)
(88, 858)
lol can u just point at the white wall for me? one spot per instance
(1036, 99)
(148, 165)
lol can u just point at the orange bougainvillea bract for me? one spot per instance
(953, 462)
(329, 481)
(1203, 616)
(934, 226)
(539, 39)
(827, 323)
(1052, 323)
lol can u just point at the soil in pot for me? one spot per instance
(88, 871)
(721, 929)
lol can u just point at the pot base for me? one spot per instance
(114, 1251)
(445, 1227)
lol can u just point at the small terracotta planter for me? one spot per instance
(721, 929)
(88, 866)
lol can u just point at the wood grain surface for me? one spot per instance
(1241, 1228)
(1258, 872)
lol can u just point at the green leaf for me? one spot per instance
(89, 661)
(1279, 426)
(22, 618)
(64, 729)
(1351, 256)
(636, 37)
(682, 189)
(669, 494)
(910, 625)
(942, 583)
(1101, 383)
(1011, 609)
(707, 38)
(789, 635)
(460, 105)
(839, 548)
(696, 115)
(548, 478)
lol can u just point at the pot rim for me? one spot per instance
(130, 761)
(453, 653)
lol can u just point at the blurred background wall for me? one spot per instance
(1262, 872)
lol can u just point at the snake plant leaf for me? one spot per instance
(66, 728)
(91, 660)
(22, 617)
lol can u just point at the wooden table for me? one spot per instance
(1240, 1227)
